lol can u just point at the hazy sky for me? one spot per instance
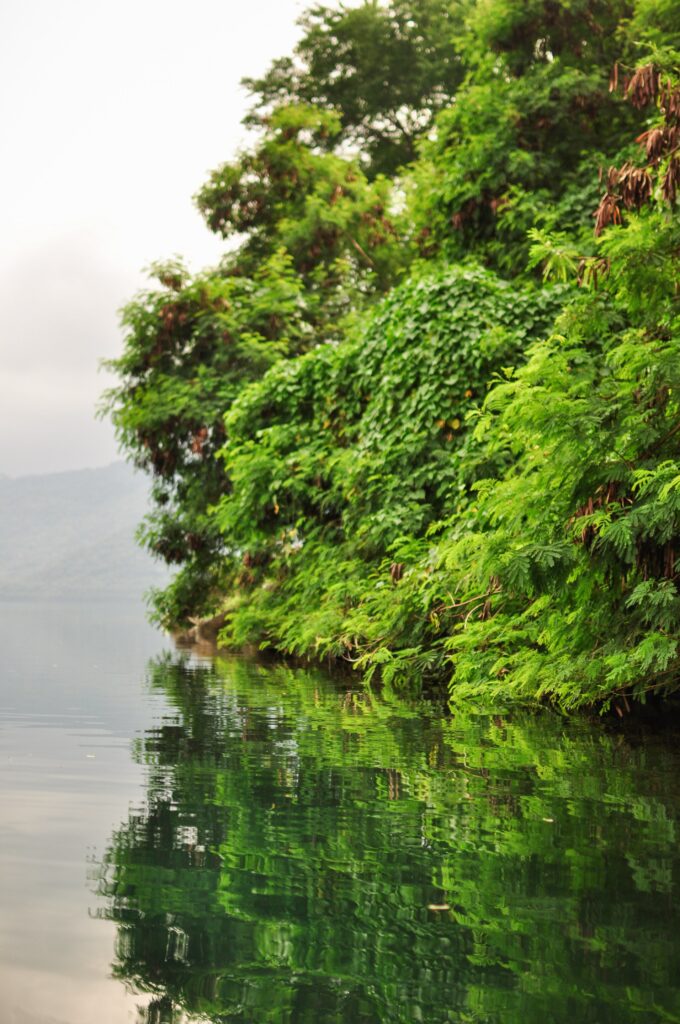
(111, 115)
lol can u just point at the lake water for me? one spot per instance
(184, 840)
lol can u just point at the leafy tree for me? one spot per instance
(316, 244)
(191, 343)
(563, 574)
(322, 469)
(583, 603)
(384, 68)
(338, 456)
(580, 33)
(287, 192)
(521, 146)
(559, 578)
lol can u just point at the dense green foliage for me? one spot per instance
(316, 245)
(520, 147)
(192, 344)
(340, 458)
(309, 855)
(441, 440)
(288, 193)
(385, 69)
(562, 574)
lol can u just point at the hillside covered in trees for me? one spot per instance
(425, 414)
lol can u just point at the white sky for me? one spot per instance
(111, 116)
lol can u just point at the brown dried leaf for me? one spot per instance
(643, 86)
(607, 213)
(614, 78)
(671, 181)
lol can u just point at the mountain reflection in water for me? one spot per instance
(307, 854)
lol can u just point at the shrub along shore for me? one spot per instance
(424, 416)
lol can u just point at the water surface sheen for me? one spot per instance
(307, 853)
(71, 699)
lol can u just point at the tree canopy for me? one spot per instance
(386, 69)
(423, 416)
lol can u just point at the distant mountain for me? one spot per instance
(71, 536)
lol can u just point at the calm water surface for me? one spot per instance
(187, 841)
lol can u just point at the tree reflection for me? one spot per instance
(308, 854)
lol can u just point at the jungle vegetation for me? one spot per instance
(425, 414)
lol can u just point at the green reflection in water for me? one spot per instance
(308, 854)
